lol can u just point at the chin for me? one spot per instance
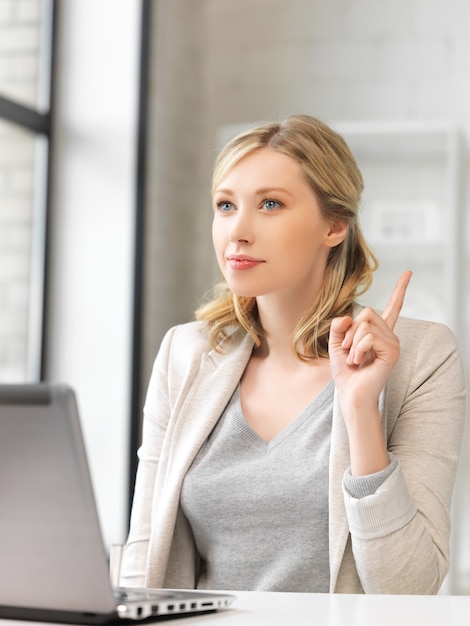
(244, 293)
(244, 290)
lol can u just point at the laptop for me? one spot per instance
(53, 562)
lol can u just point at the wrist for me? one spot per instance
(368, 450)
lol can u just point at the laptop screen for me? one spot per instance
(50, 541)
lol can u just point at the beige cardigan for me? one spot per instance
(395, 541)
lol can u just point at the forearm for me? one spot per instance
(367, 447)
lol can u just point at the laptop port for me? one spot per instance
(194, 605)
(182, 606)
(170, 607)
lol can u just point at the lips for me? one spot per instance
(242, 262)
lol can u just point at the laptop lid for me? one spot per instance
(53, 564)
(52, 553)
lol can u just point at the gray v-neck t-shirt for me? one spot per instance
(259, 510)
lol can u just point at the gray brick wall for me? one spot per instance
(19, 52)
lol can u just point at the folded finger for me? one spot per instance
(360, 349)
(360, 326)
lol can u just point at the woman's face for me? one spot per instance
(269, 234)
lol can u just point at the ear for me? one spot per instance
(336, 234)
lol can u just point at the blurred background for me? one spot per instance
(111, 114)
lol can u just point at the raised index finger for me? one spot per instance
(395, 303)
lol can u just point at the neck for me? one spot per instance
(279, 324)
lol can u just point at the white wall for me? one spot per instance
(91, 286)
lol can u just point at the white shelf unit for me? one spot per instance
(410, 212)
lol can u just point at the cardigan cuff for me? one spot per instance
(383, 512)
(362, 486)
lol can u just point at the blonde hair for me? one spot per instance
(334, 176)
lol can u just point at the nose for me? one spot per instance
(241, 227)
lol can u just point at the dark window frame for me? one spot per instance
(135, 428)
(25, 117)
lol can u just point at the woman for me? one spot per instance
(293, 440)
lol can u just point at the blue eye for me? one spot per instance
(270, 205)
(224, 206)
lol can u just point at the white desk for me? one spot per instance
(302, 609)
(292, 609)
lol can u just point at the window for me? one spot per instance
(26, 28)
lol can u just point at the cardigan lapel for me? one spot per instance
(339, 462)
(216, 380)
(213, 384)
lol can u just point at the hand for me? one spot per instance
(364, 351)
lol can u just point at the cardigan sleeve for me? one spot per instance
(155, 419)
(400, 534)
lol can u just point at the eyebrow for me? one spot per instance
(259, 192)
